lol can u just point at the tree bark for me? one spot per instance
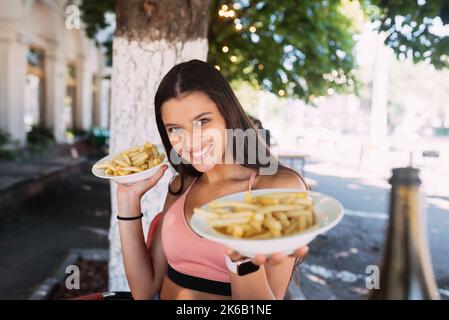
(151, 37)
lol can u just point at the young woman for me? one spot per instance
(195, 108)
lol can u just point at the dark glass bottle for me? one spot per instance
(406, 270)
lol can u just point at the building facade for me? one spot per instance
(51, 74)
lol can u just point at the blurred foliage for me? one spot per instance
(9, 149)
(305, 48)
(408, 26)
(40, 135)
(93, 15)
(40, 140)
(99, 136)
(289, 48)
(76, 133)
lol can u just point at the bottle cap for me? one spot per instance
(405, 176)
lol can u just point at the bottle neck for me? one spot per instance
(407, 270)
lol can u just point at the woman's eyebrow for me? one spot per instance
(202, 115)
(196, 118)
(170, 125)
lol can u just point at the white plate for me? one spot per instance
(129, 178)
(327, 212)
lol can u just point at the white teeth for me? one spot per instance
(202, 152)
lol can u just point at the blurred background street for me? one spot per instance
(337, 264)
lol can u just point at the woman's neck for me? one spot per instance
(224, 172)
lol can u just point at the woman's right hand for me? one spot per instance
(129, 195)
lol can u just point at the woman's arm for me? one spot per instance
(268, 283)
(145, 268)
(272, 278)
(137, 259)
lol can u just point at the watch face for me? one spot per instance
(246, 267)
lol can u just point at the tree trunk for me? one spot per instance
(151, 37)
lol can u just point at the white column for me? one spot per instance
(379, 96)
(78, 106)
(446, 115)
(55, 91)
(86, 100)
(105, 102)
(377, 153)
(96, 105)
(13, 64)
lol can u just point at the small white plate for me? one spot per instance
(129, 178)
(327, 212)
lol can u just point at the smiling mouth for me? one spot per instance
(198, 155)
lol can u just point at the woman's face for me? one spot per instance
(196, 129)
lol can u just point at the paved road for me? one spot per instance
(336, 266)
(37, 239)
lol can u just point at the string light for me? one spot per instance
(252, 29)
(225, 49)
(238, 26)
(217, 67)
(225, 12)
(234, 59)
(260, 66)
(281, 92)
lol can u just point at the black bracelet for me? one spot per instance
(130, 218)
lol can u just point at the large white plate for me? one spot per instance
(327, 211)
(130, 178)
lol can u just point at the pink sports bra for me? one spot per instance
(187, 252)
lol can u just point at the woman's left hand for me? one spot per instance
(274, 259)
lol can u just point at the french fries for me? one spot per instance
(132, 160)
(261, 217)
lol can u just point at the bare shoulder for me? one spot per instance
(283, 178)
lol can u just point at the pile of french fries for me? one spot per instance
(261, 217)
(136, 159)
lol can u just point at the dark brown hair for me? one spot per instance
(199, 76)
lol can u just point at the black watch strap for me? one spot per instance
(246, 268)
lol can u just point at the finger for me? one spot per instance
(276, 258)
(300, 252)
(157, 176)
(233, 255)
(259, 259)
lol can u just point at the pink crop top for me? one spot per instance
(187, 252)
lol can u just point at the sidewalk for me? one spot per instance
(38, 237)
(23, 181)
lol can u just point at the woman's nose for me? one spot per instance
(192, 140)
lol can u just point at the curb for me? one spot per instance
(44, 290)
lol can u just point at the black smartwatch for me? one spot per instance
(241, 267)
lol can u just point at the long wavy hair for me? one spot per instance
(199, 76)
